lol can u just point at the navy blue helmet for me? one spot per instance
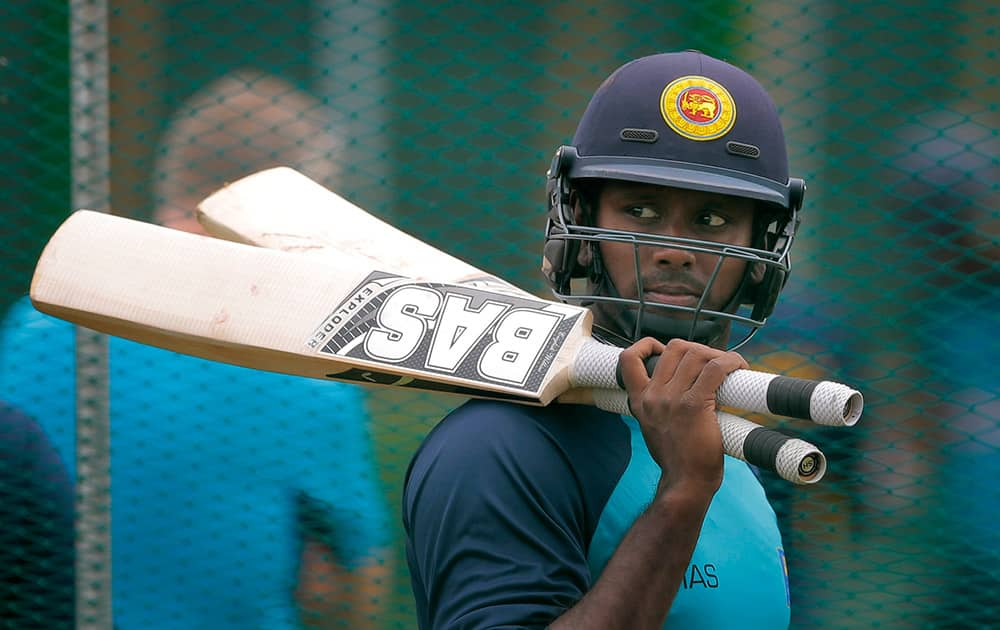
(684, 120)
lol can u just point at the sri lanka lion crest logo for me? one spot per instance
(698, 108)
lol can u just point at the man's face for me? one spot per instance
(674, 276)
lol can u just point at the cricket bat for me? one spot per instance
(331, 317)
(280, 208)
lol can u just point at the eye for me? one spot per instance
(642, 212)
(713, 219)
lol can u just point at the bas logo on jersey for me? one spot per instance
(453, 329)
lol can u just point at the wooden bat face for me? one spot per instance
(280, 208)
(333, 317)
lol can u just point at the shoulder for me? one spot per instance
(17, 431)
(567, 458)
(489, 418)
(26, 447)
(484, 428)
(508, 493)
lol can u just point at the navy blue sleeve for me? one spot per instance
(499, 507)
(36, 534)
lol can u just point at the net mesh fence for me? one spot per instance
(246, 499)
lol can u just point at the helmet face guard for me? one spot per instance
(640, 127)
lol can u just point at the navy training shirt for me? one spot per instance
(511, 513)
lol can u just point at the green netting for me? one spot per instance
(441, 118)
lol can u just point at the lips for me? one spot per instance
(673, 294)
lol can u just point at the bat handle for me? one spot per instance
(823, 402)
(792, 459)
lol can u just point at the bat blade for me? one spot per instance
(330, 318)
(280, 208)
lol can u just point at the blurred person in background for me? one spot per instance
(241, 499)
(36, 528)
(944, 189)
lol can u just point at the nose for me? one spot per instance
(673, 257)
(673, 224)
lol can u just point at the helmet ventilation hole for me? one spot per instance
(639, 135)
(743, 150)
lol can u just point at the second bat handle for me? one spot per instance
(823, 402)
(792, 459)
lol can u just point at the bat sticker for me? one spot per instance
(450, 329)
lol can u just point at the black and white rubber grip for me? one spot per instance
(823, 402)
(792, 459)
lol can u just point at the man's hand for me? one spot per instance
(676, 408)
